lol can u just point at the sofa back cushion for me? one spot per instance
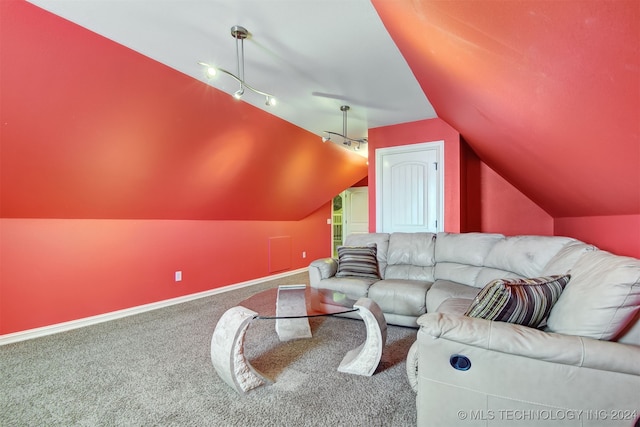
(476, 259)
(380, 240)
(460, 257)
(564, 260)
(411, 256)
(601, 299)
(526, 256)
(465, 248)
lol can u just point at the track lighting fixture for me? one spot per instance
(239, 33)
(345, 139)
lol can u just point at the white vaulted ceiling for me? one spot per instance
(313, 55)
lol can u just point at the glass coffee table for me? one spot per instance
(291, 306)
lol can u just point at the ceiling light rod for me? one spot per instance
(239, 33)
(346, 140)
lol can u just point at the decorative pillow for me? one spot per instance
(522, 301)
(359, 261)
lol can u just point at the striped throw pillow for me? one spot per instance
(522, 301)
(359, 261)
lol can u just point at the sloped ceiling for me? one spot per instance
(91, 129)
(547, 93)
(313, 55)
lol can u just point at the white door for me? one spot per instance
(409, 188)
(355, 210)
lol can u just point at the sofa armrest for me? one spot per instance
(322, 269)
(533, 343)
(494, 374)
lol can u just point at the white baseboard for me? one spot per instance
(87, 321)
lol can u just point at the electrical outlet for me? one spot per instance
(178, 276)
(304, 254)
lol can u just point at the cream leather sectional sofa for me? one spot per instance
(579, 367)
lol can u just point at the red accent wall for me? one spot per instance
(547, 95)
(116, 171)
(91, 129)
(618, 234)
(479, 199)
(414, 133)
(493, 205)
(57, 270)
(545, 92)
(476, 197)
(506, 210)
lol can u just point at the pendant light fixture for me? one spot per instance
(240, 34)
(345, 139)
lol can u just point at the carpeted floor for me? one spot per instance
(154, 369)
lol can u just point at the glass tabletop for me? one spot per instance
(319, 302)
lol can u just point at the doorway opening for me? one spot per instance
(336, 214)
(350, 214)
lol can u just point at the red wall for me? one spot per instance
(117, 171)
(91, 129)
(479, 199)
(506, 210)
(476, 198)
(493, 205)
(415, 133)
(137, 155)
(57, 270)
(618, 234)
(545, 92)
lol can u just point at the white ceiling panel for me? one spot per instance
(313, 55)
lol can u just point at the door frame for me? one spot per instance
(344, 195)
(346, 208)
(422, 146)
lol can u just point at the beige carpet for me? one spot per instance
(154, 369)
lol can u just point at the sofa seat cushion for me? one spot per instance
(602, 297)
(353, 287)
(523, 301)
(455, 306)
(405, 297)
(442, 290)
(470, 275)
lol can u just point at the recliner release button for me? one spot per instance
(460, 362)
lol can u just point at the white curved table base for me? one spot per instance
(412, 366)
(227, 347)
(291, 302)
(227, 351)
(365, 359)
